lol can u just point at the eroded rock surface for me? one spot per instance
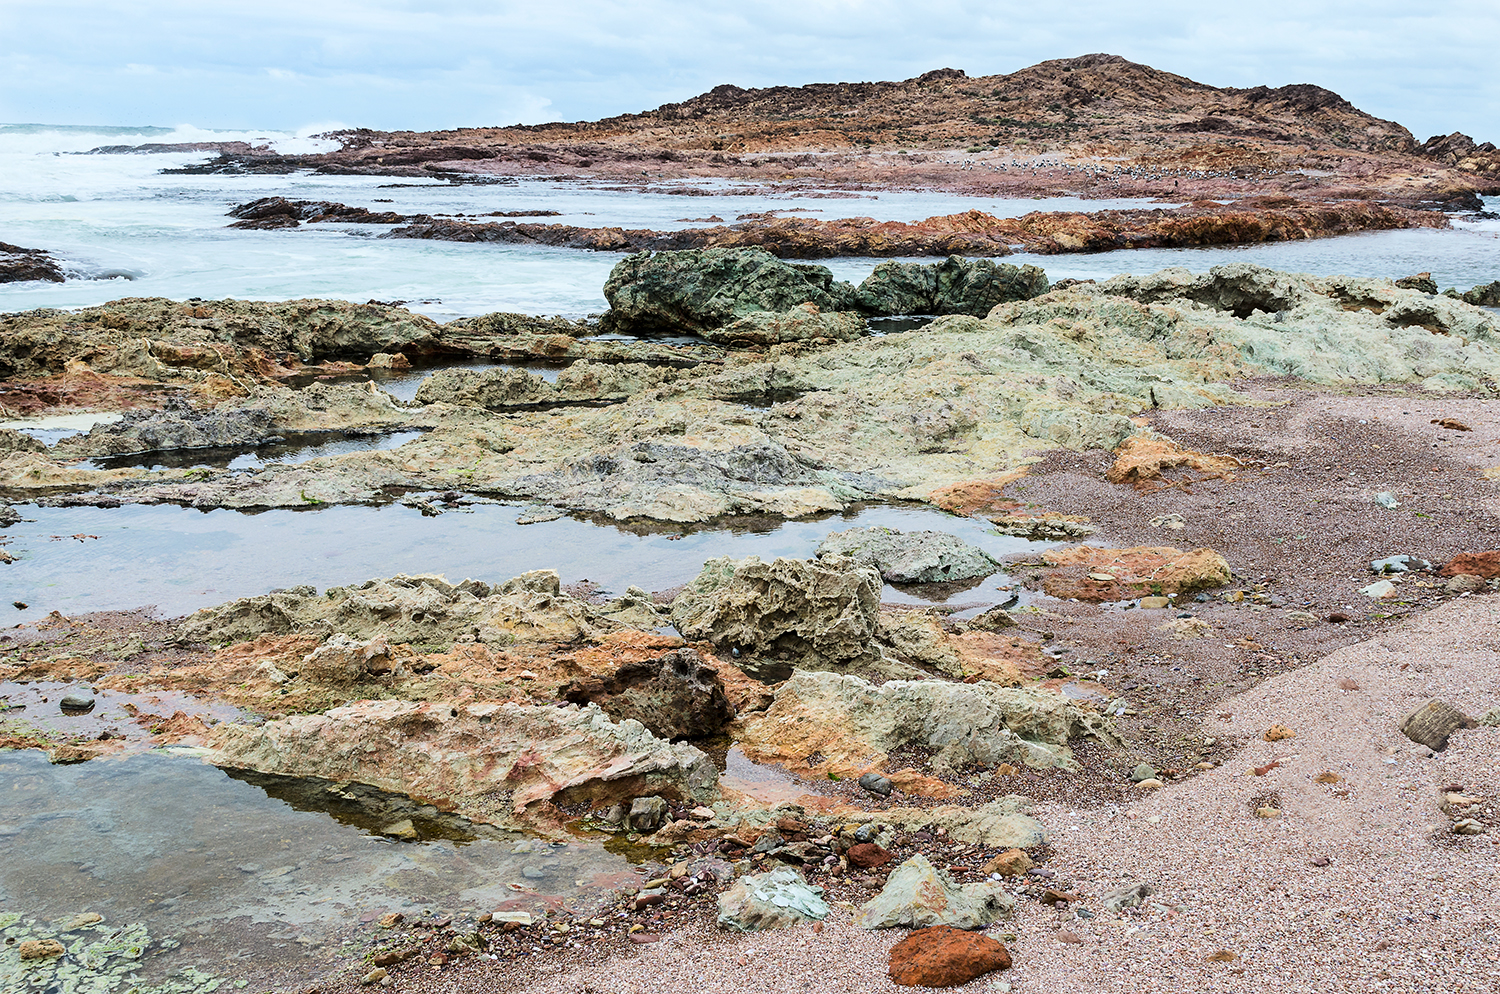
(679, 696)
(502, 763)
(911, 557)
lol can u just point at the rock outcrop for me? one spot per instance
(911, 557)
(679, 696)
(856, 725)
(821, 611)
(506, 764)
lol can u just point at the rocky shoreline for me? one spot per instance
(1228, 443)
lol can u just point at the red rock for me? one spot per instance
(943, 956)
(1485, 564)
(868, 855)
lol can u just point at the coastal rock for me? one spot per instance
(911, 557)
(1433, 723)
(18, 441)
(856, 725)
(942, 956)
(979, 653)
(416, 609)
(778, 899)
(828, 609)
(698, 290)
(678, 696)
(499, 389)
(1095, 574)
(799, 324)
(954, 286)
(19, 265)
(177, 426)
(918, 895)
(501, 763)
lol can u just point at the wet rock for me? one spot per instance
(855, 724)
(8, 516)
(942, 956)
(778, 899)
(1482, 564)
(647, 813)
(40, 949)
(177, 426)
(825, 608)
(502, 763)
(918, 895)
(1422, 282)
(403, 829)
(677, 696)
(1433, 723)
(876, 784)
(802, 323)
(76, 703)
(698, 290)
(911, 557)
(19, 265)
(1127, 896)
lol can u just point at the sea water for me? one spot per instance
(126, 228)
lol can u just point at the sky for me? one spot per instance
(310, 65)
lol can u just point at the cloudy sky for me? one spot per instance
(298, 64)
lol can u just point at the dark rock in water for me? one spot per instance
(77, 703)
(954, 286)
(1422, 281)
(876, 784)
(911, 557)
(1484, 295)
(8, 516)
(177, 426)
(698, 290)
(677, 696)
(17, 265)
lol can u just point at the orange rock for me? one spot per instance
(969, 497)
(1141, 460)
(1485, 564)
(943, 956)
(1095, 574)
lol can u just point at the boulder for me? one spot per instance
(1481, 564)
(802, 323)
(698, 290)
(1011, 863)
(345, 660)
(1432, 724)
(777, 899)
(647, 814)
(942, 956)
(678, 696)
(911, 557)
(918, 895)
(18, 441)
(855, 724)
(827, 608)
(502, 763)
(954, 286)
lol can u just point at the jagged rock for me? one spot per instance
(501, 763)
(829, 608)
(954, 286)
(855, 724)
(778, 899)
(918, 894)
(498, 389)
(177, 426)
(798, 324)
(1484, 295)
(678, 696)
(698, 290)
(1422, 282)
(416, 609)
(1433, 723)
(344, 660)
(911, 557)
(18, 441)
(942, 956)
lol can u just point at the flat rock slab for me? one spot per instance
(911, 557)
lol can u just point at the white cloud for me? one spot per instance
(444, 63)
